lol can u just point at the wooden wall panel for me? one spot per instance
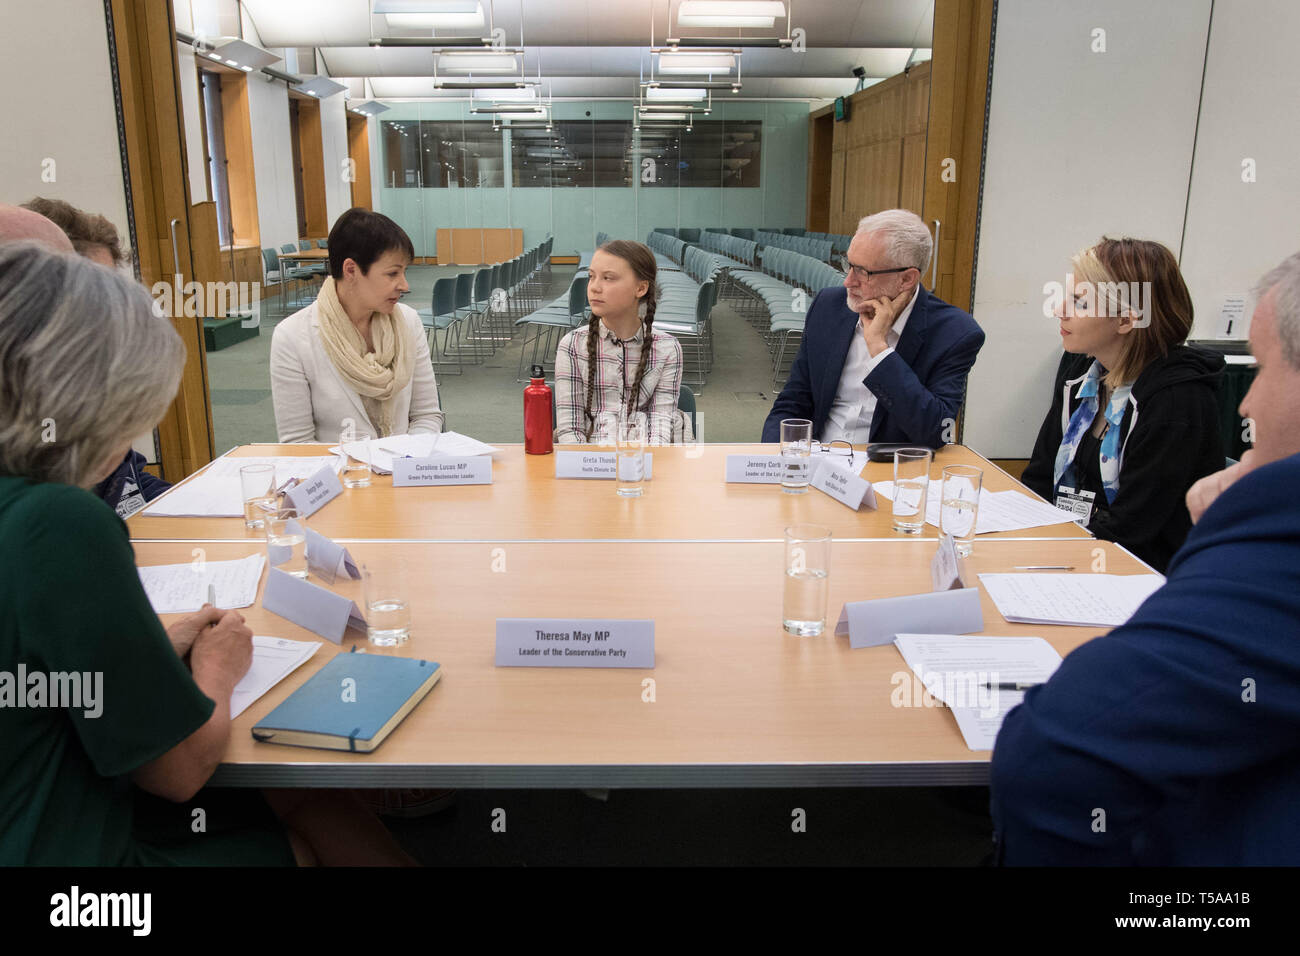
(311, 148)
(911, 192)
(238, 132)
(359, 152)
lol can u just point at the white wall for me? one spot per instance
(1080, 144)
(268, 115)
(1237, 231)
(54, 65)
(334, 135)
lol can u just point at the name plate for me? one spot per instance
(755, 469)
(308, 605)
(947, 570)
(594, 464)
(471, 470)
(328, 559)
(872, 623)
(566, 642)
(845, 486)
(311, 495)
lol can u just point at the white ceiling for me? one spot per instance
(600, 48)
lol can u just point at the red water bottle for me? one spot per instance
(538, 414)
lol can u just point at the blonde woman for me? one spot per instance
(356, 355)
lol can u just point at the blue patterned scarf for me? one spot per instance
(1081, 421)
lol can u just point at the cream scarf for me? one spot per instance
(376, 376)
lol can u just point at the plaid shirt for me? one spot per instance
(615, 372)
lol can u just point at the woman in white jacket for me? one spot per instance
(356, 356)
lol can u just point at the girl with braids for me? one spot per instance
(618, 366)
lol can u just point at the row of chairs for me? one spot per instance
(839, 242)
(804, 245)
(740, 252)
(686, 304)
(776, 299)
(275, 272)
(475, 311)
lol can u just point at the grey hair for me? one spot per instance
(907, 240)
(1285, 279)
(86, 364)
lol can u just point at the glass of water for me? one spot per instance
(356, 461)
(388, 607)
(257, 486)
(286, 542)
(796, 452)
(959, 497)
(911, 485)
(630, 458)
(807, 579)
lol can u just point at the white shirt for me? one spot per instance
(855, 404)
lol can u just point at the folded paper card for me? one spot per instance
(755, 469)
(947, 570)
(308, 605)
(309, 496)
(415, 472)
(570, 642)
(872, 623)
(841, 482)
(329, 560)
(594, 464)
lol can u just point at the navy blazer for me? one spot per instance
(1182, 726)
(917, 388)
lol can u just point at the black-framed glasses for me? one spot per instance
(863, 273)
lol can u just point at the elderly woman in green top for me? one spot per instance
(85, 364)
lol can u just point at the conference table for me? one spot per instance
(732, 701)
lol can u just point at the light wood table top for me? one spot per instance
(687, 500)
(738, 702)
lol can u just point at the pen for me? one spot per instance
(1046, 567)
(212, 594)
(1012, 685)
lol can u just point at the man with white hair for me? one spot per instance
(881, 358)
(1175, 739)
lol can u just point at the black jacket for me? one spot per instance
(1169, 438)
(130, 488)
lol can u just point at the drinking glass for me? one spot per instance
(357, 455)
(959, 498)
(807, 579)
(388, 608)
(286, 541)
(796, 452)
(911, 485)
(257, 486)
(630, 458)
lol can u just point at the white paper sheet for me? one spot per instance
(274, 659)
(956, 668)
(215, 492)
(423, 445)
(999, 510)
(1100, 600)
(182, 588)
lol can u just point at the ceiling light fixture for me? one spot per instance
(430, 14)
(320, 87)
(688, 94)
(729, 13)
(674, 63)
(477, 63)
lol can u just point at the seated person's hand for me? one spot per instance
(882, 313)
(1203, 494)
(224, 651)
(184, 631)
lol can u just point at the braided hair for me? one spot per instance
(642, 261)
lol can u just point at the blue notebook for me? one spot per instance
(330, 712)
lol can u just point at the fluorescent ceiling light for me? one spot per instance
(369, 108)
(430, 14)
(729, 13)
(477, 63)
(646, 117)
(320, 86)
(527, 94)
(673, 63)
(688, 95)
(236, 52)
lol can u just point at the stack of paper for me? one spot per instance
(183, 588)
(1100, 600)
(422, 445)
(274, 659)
(998, 510)
(215, 492)
(958, 670)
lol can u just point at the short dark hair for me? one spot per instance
(84, 229)
(363, 236)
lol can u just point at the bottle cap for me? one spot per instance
(538, 372)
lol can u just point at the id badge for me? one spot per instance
(130, 505)
(1077, 503)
